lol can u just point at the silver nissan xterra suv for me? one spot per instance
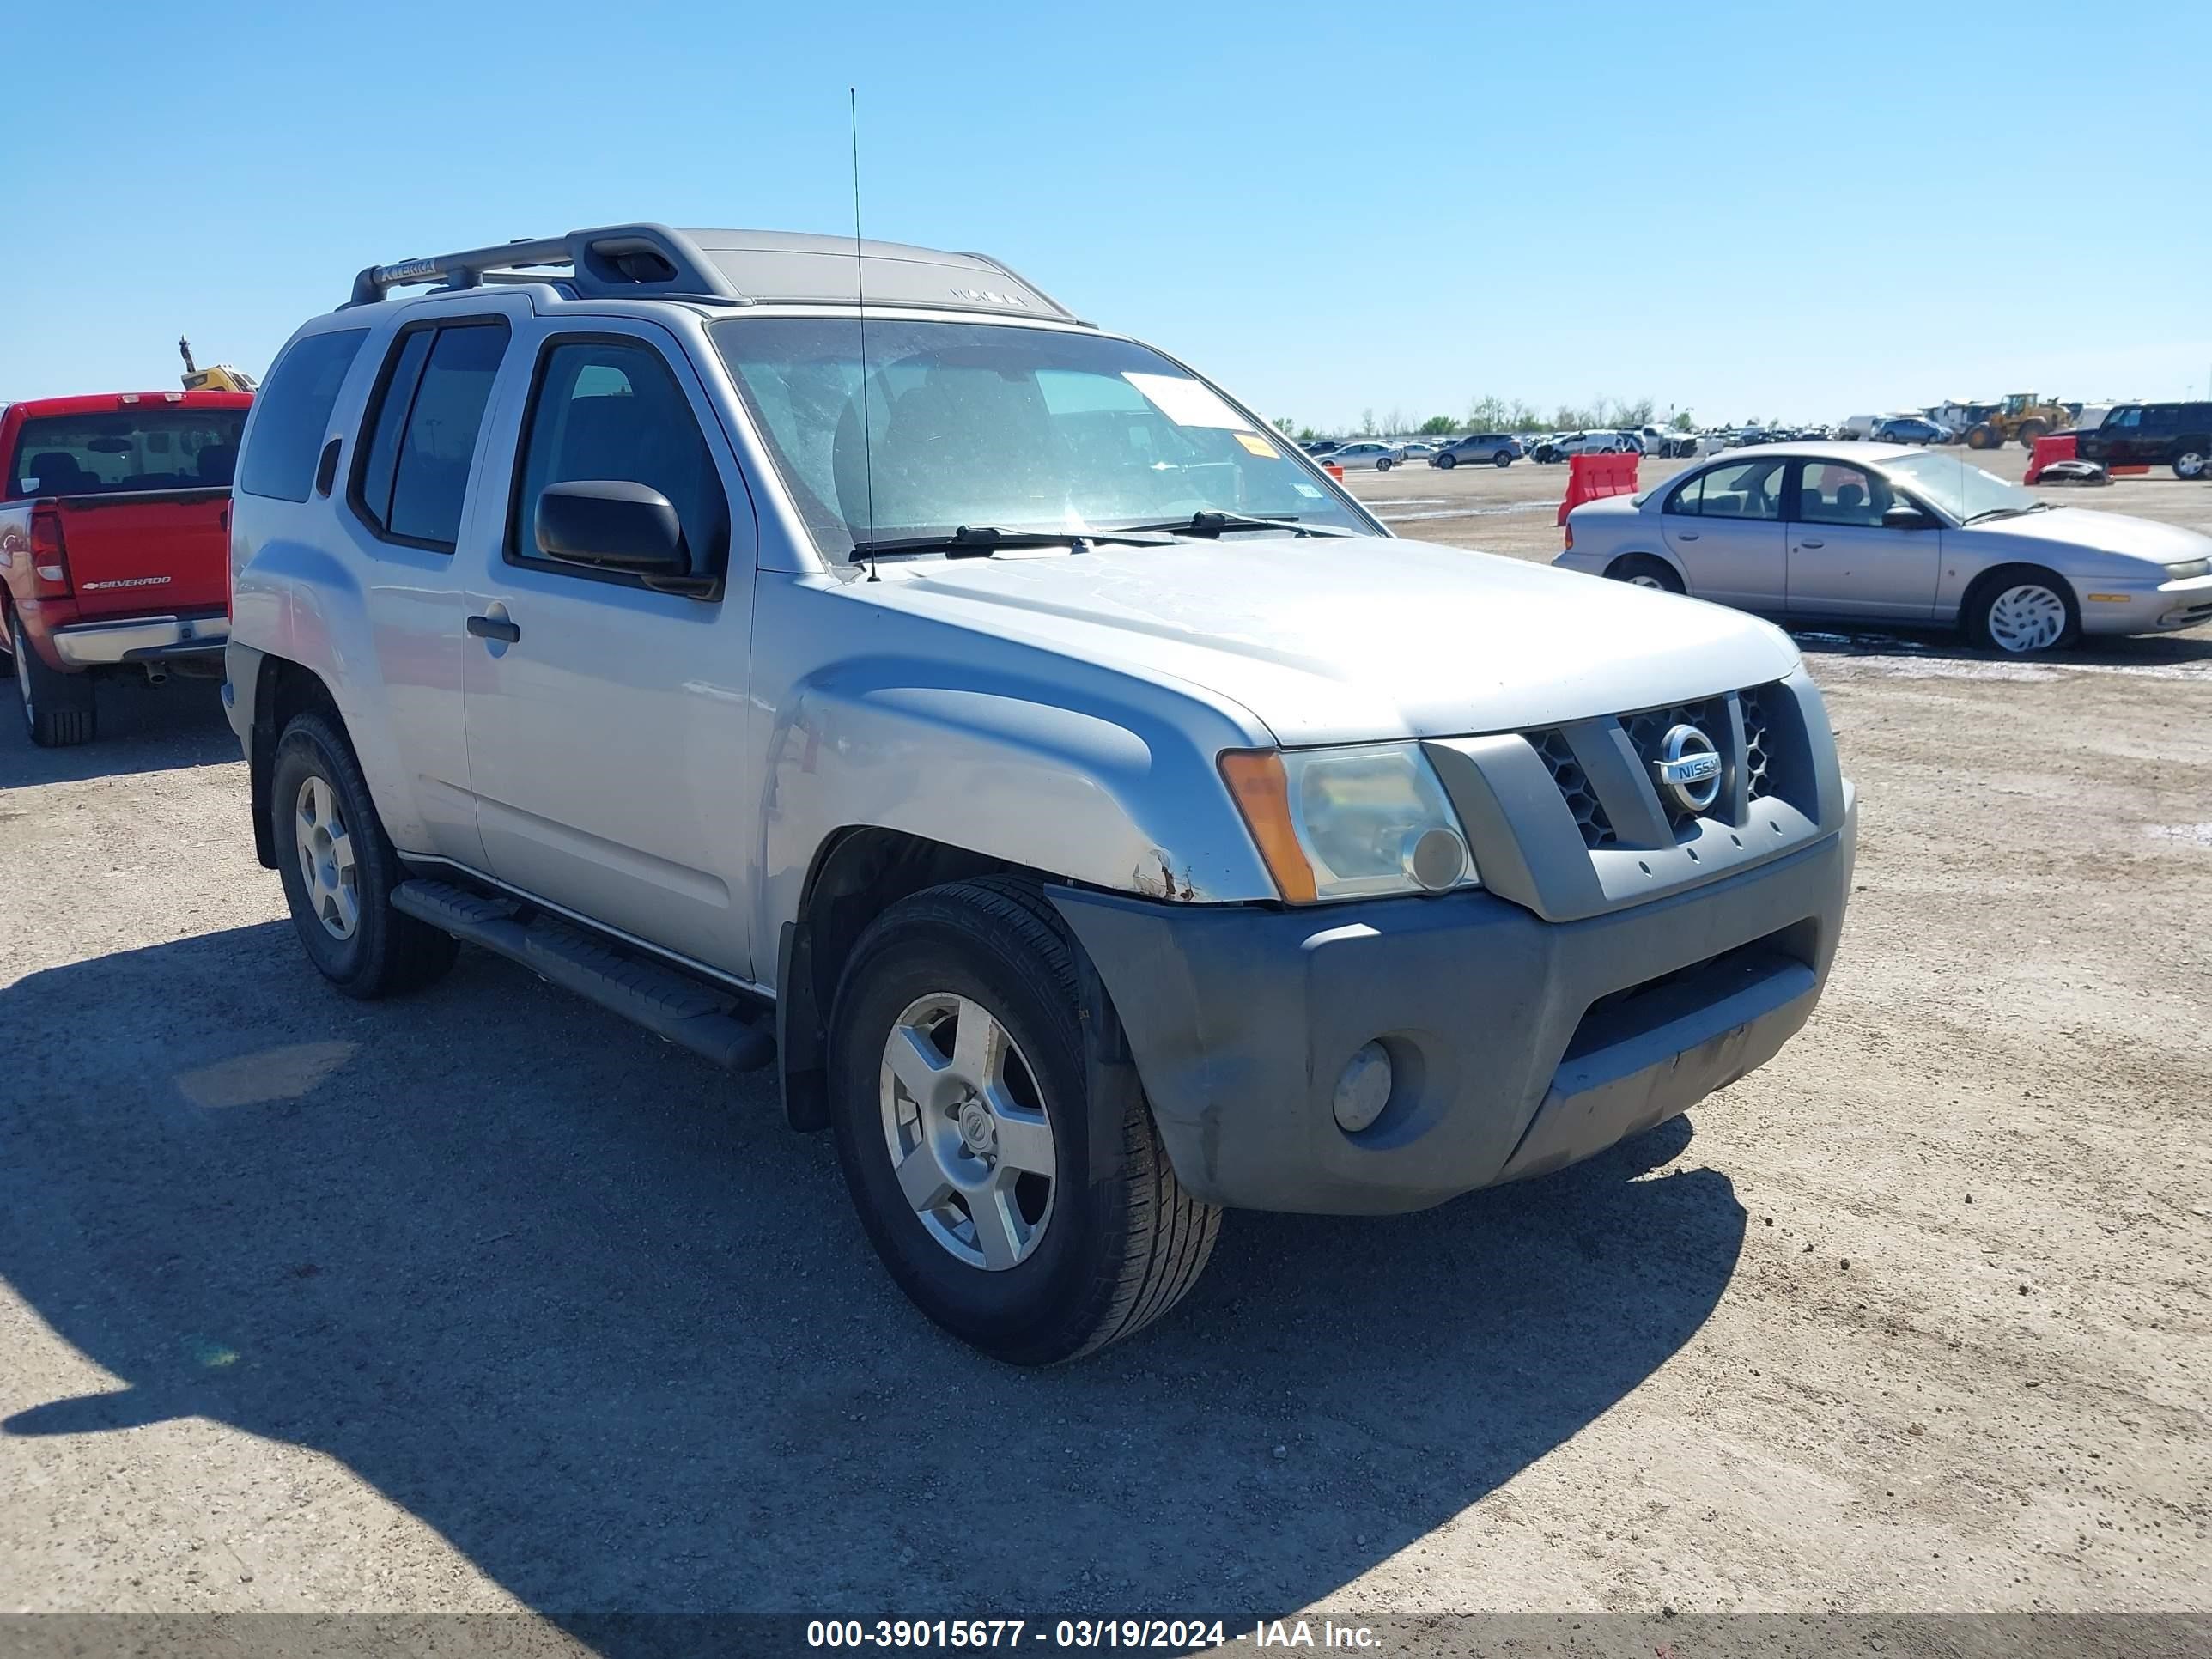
(839, 655)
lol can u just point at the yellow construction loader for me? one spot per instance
(222, 377)
(2024, 415)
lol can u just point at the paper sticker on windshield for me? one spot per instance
(1308, 491)
(1256, 445)
(1187, 403)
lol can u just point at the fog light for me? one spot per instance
(1363, 1089)
(1436, 859)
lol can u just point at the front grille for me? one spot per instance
(1575, 788)
(1756, 752)
(1766, 763)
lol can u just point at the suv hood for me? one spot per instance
(2107, 532)
(1330, 639)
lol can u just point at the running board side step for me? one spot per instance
(671, 1007)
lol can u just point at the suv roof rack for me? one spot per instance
(731, 267)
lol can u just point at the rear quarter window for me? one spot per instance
(293, 414)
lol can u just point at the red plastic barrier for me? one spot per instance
(2047, 450)
(1590, 477)
(1333, 472)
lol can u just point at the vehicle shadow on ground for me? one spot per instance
(141, 728)
(2189, 649)
(585, 1307)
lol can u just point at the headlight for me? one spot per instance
(2182, 573)
(1335, 823)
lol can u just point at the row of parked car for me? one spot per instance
(1498, 448)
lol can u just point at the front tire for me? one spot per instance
(1447, 462)
(57, 708)
(1501, 459)
(1982, 437)
(1001, 1204)
(338, 869)
(2022, 610)
(2030, 431)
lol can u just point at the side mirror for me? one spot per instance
(1905, 516)
(612, 525)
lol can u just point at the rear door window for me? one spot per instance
(413, 476)
(1746, 490)
(294, 414)
(136, 447)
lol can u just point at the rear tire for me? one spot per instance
(2188, 463)
(339, 869)
(57, 708)
(1383, 463)
(1642, 570)
(983, 973)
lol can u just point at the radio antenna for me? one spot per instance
(860, 289)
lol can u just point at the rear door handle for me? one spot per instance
(1802, 543)
(494, 627)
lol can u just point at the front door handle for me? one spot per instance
(1807, 544)
(1685, 535)
(495, 628)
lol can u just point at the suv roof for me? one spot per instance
(729, 267)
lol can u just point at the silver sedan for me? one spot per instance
(1867, 532)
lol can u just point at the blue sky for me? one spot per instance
(1744, 209)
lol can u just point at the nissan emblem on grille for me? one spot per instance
(1688, 769)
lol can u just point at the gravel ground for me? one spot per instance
(484, 1300)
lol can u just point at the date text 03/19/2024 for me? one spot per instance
(1172, 1635)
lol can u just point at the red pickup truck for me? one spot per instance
(114, 531)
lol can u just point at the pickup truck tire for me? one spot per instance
(1086, 1255)
(339, 870)
(57, 708)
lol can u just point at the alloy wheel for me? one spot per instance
(2189, 465)
(965, 1125)
(328, 868)
(2026, 618)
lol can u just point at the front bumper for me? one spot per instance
(2127, 607)
(140, 639)
(1519, 1045)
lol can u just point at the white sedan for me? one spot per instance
(1890, 533)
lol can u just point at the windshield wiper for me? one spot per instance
(2007, 512)
(1212, 524)
(980, 541)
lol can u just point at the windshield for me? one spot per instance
(1019, 428)
(1950, 485)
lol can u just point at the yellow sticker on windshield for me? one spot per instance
(1256, 444)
